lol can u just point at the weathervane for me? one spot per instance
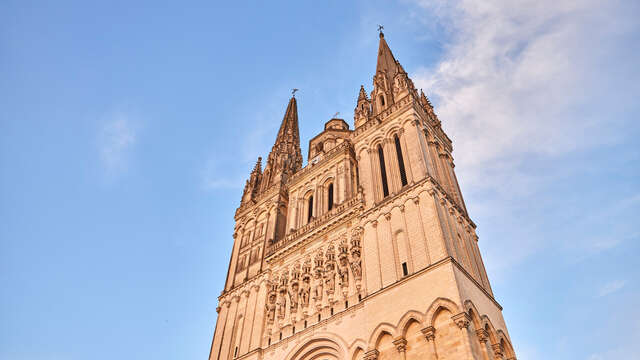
(336, 114)
(293, 92)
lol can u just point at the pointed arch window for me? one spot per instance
(330, 197)
(381, 100)
(310, 208)
(403, 173)
(383, 173)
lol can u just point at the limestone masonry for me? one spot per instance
(367, 252)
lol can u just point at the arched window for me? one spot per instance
(403, 173)
(383, 173)
(382, 100)
(330, 197)
(310, 209)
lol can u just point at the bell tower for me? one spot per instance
(365, 253)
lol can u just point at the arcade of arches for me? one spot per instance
(436, 334)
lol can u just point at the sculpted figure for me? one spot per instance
(356, 265)
(330, 278)
(271, 307)
(281, 303)
(330, 271)
(304, 290)
(317, 285)
(343, 272)
(356, 262)
(343, 265)
(293, 297)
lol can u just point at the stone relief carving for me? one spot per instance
(271, 300)
(305, 286)
(282, 295)
(318, 278)
(356, 261)
(343, 265)
(330, 272)
(293, 292)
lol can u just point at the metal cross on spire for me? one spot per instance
(380, 27)
(293, 92)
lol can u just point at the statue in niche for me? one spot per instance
(271, 300)
(318, 280)
(294, 287)
(271, 307)
(282, 294)
(330, 272)
(281, 303)
(343, 265)
(356, 261)
(330, 278)
(318, 285)
(293, 297)
(356, 265)
(305, 288)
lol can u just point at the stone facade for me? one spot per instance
(367, 252)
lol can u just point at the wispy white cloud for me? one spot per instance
(611, 287)
(117, 137)
(526, 82)
(523, 77)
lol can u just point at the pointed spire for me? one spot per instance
(285, 156)
(363, 94)
(386, 62)
(257, 169)
(253, 183)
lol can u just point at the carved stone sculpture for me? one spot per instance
(343, 266)
(281, 303)
(317, 286)
(271, 307)
(305, 288)
(356, 265)
(293, 297)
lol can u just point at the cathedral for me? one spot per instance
(366, 252)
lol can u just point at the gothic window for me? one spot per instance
(310, 208)
(330, 197)
(383, 173)
(381, 100)
(403, 173)
(241, 262)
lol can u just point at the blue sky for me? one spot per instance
(127, 131)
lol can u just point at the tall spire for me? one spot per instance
(387, 64)
(363, 94)
(285, 157)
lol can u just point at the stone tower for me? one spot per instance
(368, 251)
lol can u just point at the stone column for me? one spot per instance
(463, 320)
(430, 334)
(483, 336)
(401, 346)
